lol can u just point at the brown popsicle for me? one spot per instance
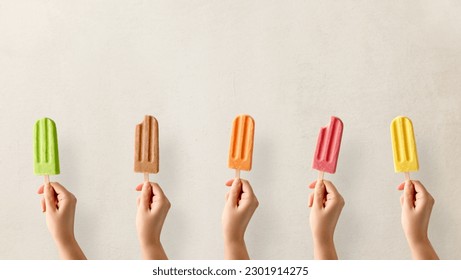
(241, 144)
(146, 156)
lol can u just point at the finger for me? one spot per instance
(226, 197)
(409, 195)
(246, 187)
(229, 182)
(235, 192)
(401, 200)
(311, 199)
(319, 194)
(419, 188)
(58, 188)
(139, 187)
(401, 186)
(42, 204)
(312, 185)
(40, 190)
(146, 196)
(330, 188)
(50, 198)
(138, 200)
(156, 190)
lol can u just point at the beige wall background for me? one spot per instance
(97, 67)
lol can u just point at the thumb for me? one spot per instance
(235, 192)
(409, 195)
(319, 194)
(50, 197)
(146, 196)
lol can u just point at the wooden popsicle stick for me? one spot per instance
(237, 173)
(320, 177)
(407, 176)
(47, 180)
(146, 177)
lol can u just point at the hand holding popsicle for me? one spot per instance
(153, 207)
(417, 205)
(240, 200)
(326, 204)
(241, 203)
(59, 207)
(57, 203)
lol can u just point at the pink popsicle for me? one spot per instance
(328, 144)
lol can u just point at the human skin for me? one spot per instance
(241, 203)
(59, 205)
(326, 204)
(153, 207)
(417, 205)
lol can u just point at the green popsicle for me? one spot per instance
(46, 156)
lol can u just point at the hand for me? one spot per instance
(153, 207)
(59, 204)
(240, 205)
(326, 204)
(417, 205)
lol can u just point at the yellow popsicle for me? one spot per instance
(404, 145)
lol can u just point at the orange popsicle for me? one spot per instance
(146, 155)
(241, 144)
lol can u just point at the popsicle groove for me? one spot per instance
(329, 151)
(235, 131)
(149, 139)
(44, 135)
(405, 138)
(244, 138)
(137, 142)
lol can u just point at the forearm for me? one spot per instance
(70, 250)
(235, 250)
(324, 249)
(422, 250)
(153, 252)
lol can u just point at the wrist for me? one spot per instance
(153, 251)
(415, 242)
(147, 249)
(323, 240)
(63, 242)
(152, 243)
(235, 249)
(70, 250)
(324, 249)
(419, 243)
(422, 250)
(234, 239)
